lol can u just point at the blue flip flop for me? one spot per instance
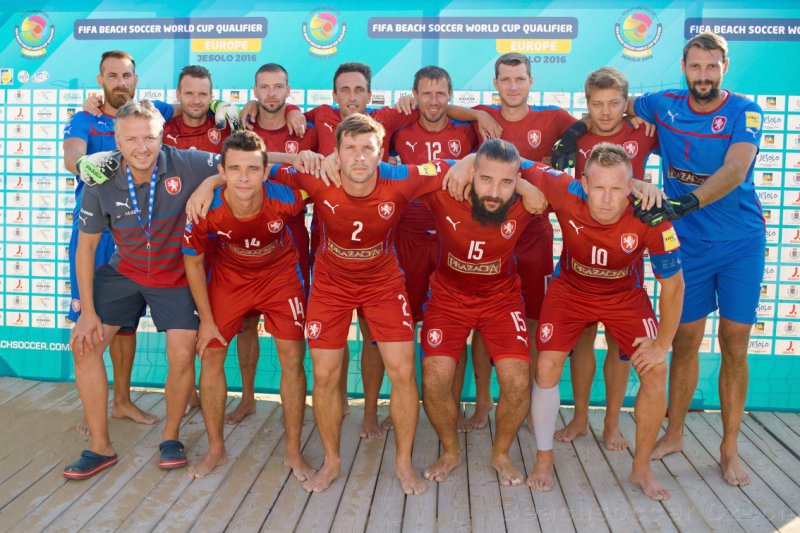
(172, 455)
(89, 464)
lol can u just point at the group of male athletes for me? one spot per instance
(390, 242)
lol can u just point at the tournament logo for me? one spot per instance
(454, 145)
(629, 242)
(435, 337)
(292, 147)
(545, 332)
(313, 329)
(638, 31)
(631, 148)
(34, 33)
(173, 185)
(275, 226)
(534, 138)
(386, 210)
(323, 31)
(718, 124)
(214, 135)
(508, 228)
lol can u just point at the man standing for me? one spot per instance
(709, 139)
(143, 205)
(599, 280)
(255, 269)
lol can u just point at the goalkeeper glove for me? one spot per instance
(98, 167)
(669, 210)
(565, 151)
(225, 112)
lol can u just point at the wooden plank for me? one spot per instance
(322, 507)
(419, 513)
(168, 485)
(240, 481)
(550, 509)
(775, 426)
(773, 448)
(582, 503)
(792, 421)
(453, 512)
(519, 512)
(770, 488)
(650, 514)
(605, 483)
(485, 504)
(359, 491)
(52, 494)
(10, 388)
(185, 511)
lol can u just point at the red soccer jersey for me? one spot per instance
(415, 145)
(635, 142)
(206, 137)
(327, 118)
(357, 233)
(251, 244)
(280, 140)
(536, 133)
(599, 258)
(472, 257)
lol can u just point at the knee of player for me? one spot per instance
(181, 358)
(656, 378)
(548, 371)
(734, 341)
(516, 386)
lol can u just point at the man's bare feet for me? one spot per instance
(325, 476)
(646, 479)
(242, 411)
(83, 428)
(480, 418)
(666, 445)
(462, 424)
(613, 439)
(194, 401)
(209, 462)
(732, 470)
(130, 410)
(370, 429)
(387, 423)
(575, 428)
(300, 469)
(412, 484)
(507, 473)
(541, 478)
(439, 470)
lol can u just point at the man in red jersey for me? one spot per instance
(599, 280)
(433, 136)
(356, 267)
(606, 98)
(255, 268)
(476, 285)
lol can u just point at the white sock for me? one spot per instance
(544, 408)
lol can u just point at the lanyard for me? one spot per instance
(151, 201)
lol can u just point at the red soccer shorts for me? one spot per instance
(534, 253)
(297, 225)
(334, 296)
(276, 293)
(567, 312)
(450, 315)
(417, 254)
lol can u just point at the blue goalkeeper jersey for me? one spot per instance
(693, 146)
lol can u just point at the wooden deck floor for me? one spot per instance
(255, 492)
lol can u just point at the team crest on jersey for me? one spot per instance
(76, 306)
(454, 145)
(508, 228)
(313, 329)
(629, 242)
(386, 210)
(718, 124)
(214, 135)
(275, 226)
(173, 185)
(546, 332)
(292, 147)
(534, 138)
(631, 148)
(435, 337)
